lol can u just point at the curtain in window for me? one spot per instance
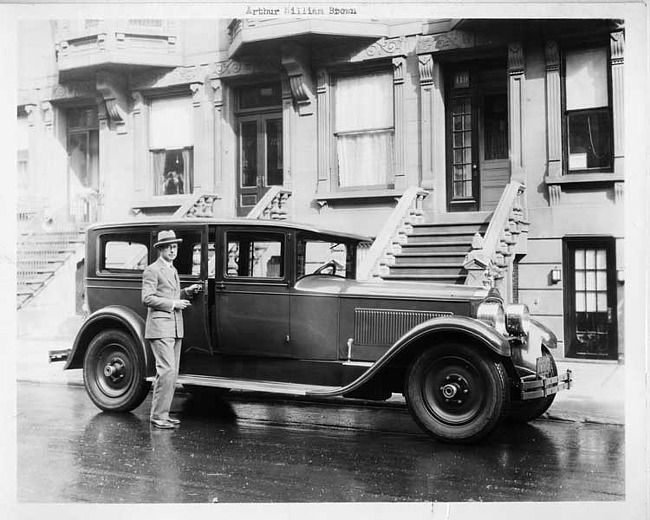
(188, 174)
(364, 129)
(158, 159)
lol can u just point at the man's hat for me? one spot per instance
(167, 237)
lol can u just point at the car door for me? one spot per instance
(252, 293)
(191, 264)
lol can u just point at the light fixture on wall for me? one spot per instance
(556, 275)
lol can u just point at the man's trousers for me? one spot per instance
(167, 352)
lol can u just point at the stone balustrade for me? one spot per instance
(198, 205)
(490, 260)
(381, 255)
(273, 205)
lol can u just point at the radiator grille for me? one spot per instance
(385, 326)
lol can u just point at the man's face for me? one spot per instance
(169, 252)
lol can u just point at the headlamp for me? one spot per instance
(492, 313)
(517, 319)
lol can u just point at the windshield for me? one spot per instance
(317, 255)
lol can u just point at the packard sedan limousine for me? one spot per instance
(282, 311)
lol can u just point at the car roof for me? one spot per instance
(156, 222)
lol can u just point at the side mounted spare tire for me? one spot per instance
(114, 372)
(456, 392)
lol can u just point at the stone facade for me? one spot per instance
(123, 72)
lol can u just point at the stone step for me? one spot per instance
(455, 246)
(446, 269)
(441, 236)
(461, 227)
(429, 258)
(439, 278)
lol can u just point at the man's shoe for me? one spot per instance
(173, 421)
(163, 424)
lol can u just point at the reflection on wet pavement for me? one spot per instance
(251, 448)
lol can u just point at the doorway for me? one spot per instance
(591, 329)
(260, 144)
(478, 164)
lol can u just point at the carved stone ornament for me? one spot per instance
(516, 60)
(295, 61)
(79, 89)
(554, 194)
(48, 113)
(30, 109)
(425, 63)
(229, 68)
(617, 47)
(112, 89)
(552, 53)
(348, 52)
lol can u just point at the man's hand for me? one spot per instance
(194, 288)
(181, 304)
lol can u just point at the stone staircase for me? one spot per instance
(435, 252)
(39, 258)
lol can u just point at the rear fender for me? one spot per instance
(475, 332)
(111, 317)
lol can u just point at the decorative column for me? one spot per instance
(425, 63)
(217, 103)
(399, 66)
(287, 124)
(617, 48)
(203, 126)
(33, 147)
(324, 132)
(553, 110)
(105, 158)
(141, 185)
(516, 98)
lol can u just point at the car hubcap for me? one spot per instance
(453, 391)
(113, 372)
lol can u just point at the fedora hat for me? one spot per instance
(167, 237)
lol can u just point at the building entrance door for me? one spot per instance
(260, 152)
(590, 298)
(478, 165)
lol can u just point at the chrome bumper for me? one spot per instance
(545, 386)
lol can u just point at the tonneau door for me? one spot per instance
(252, 293)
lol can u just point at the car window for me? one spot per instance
(314, 254)
(124, 254)
(255, 255)
(196, 260)
(188, 259)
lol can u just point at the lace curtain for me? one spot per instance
(364, 129)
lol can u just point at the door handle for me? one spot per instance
(609, 315)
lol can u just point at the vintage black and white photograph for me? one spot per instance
(328, 255)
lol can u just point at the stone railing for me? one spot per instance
(490, 260)
(197, 205)
(381, 255)
(273, 205)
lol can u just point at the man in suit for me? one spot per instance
(165, 301)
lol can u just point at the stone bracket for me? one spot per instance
(112, 90)
(295, 61)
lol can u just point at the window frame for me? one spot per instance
(334, 76)
(567, 48)
(126, 235)
(256, 236)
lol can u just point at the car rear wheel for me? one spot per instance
(525, 411)
(114, 372)
(456, 393)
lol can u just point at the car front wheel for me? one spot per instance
(456, 393)
(114, 372)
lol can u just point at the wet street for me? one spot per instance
(255, 448)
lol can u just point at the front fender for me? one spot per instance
(110, 317)
(482, 334)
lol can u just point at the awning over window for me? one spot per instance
(170, 123)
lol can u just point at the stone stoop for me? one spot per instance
(434, 252)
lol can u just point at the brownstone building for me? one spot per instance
(471, 151)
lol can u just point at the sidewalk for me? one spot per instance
(597, 394)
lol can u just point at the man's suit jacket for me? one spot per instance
(160, 287)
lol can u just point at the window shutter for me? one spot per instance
(170, 123)
(586, 79)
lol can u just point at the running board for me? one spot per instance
(260, 386)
